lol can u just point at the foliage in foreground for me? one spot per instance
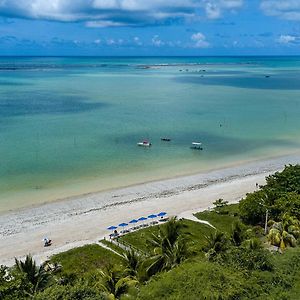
(200, 279)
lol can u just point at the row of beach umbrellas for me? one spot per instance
(134, 221)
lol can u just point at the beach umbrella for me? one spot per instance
(133, 221)
(123, 224)
(161, 214)
(112, 228)
(152, 216)
(142, 219)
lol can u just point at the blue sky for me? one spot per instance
(149, 27)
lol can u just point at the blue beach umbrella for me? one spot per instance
(142, 219)
(112, 228)
(133, 221)
(161, 214)
(152, 216)
(123, 224)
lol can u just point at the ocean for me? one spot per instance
(70, 125)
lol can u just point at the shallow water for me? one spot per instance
(70, 125)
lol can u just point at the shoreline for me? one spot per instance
(86, 188)
(84, 219)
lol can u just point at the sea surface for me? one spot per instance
(70, 125)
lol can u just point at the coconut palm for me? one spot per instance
(253, 244)
(220, 203)
(217, 242)
(132, 263)
(114, 285)
(35, 275)
(237, 233)
(167, 256)
(170, 247)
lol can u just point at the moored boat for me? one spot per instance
(144, 144)
(165, 139)
(197, 146)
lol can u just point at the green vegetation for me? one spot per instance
(222, 219)
(182, 258)
(80, 261)
(200, 279)
(138, 240)
(113, 246)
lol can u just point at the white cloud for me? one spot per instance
(110, 42)
(104, 13)
(285, 9)
(95, 24)
(137, 41)
(156, 41)
(200, 40)
(214, 9)
(97, 41)
(114, 42)
(287, 39)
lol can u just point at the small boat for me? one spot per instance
(196, 146)
(165, 139)
(144, 144)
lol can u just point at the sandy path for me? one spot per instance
(83, 220)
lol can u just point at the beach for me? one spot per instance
(81, 220)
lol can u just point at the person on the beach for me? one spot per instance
(47, 242)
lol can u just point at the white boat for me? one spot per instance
(144, 144)
(196, 146)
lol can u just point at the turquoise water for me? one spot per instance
(67, 122)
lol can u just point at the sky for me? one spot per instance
(149, 27)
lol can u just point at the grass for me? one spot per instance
(82, 260)
(138, 239)
(223, 222)
(113, 246)
(196, 232)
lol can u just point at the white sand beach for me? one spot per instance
(81, 220)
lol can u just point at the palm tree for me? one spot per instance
(35, 275)
(217, 242)
(279, 237)
(220, 203)
(170, 247)
(237, 233)
(253, 244)
(114, 285)
(132, 263)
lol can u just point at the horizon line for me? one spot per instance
(166, 56)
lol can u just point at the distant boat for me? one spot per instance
(144, 144)
(267, 76)
(165, 139)
(196, 146)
